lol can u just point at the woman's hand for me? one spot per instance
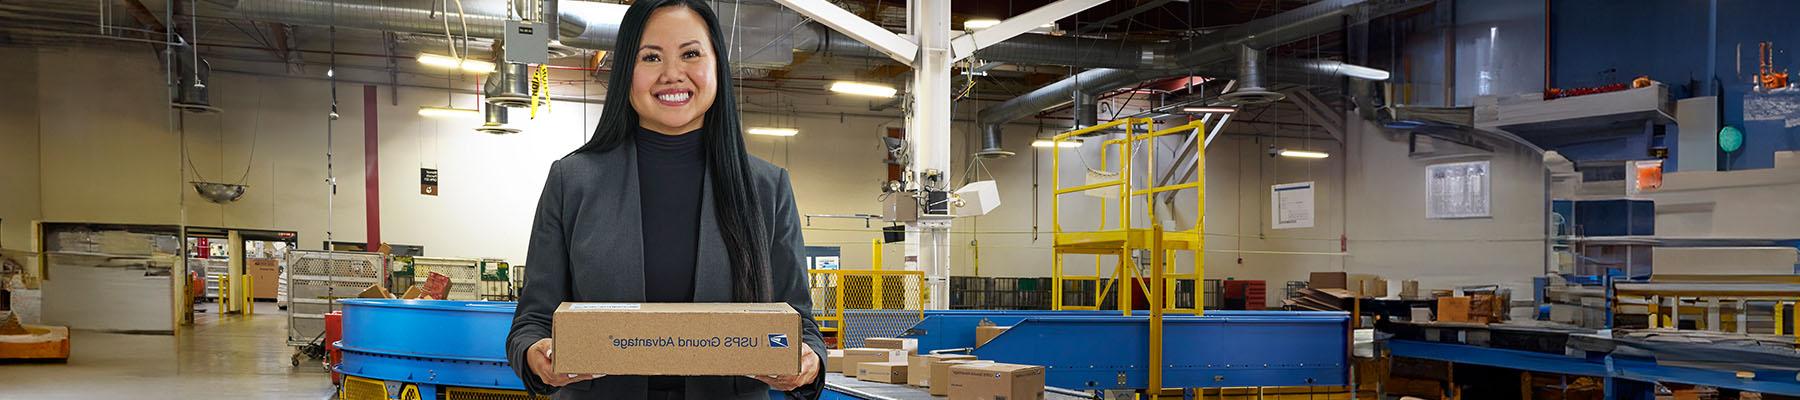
(539, 356)
(809, 370)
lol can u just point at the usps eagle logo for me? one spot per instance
(778, 340)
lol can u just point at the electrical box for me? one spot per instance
(527, 42)
(900, 207)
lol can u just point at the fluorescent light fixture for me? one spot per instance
(447, 112)
(1220, 110)
(474, 66)
(979, 24)
(1303, 154)
(863, 89)
(764, 131)
(1046, 143)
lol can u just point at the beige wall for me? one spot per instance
(18, 147)
(113, 158)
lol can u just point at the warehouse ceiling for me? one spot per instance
(235, 44)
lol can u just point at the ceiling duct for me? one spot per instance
(1250, 88)
(1203, 55)
(510, 86)
(494, 121)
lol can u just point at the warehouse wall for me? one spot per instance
(18, 148)
(1390, 236)
(125, 169)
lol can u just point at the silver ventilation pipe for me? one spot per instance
(1202, 55)
(1250, 88)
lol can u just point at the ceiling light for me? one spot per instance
(863, 89)
(784, 132)
(1303, 154)
(474, 66)
(1046, 143)
(477, 66)
(1221, 110)
(979, 24)
(447, 112)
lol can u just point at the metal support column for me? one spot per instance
(928, 126)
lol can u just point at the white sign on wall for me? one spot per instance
(1458, 190)
(1291, 205)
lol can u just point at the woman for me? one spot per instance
(664, 205)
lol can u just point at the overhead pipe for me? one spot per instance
(1201, 55)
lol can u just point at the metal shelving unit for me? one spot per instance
(317, 279)
(464, 273)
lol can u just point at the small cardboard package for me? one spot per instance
(996, 381)
(860, 355)
(1328, 280)
(985, 333)
(1453, 309)
(920, 366)
(884, 372)
(834, 360)
(910, 345)
(690, 339)
(940, 373)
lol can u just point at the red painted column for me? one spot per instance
(372, 167)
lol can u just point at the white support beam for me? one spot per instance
(968, 43)
(899, 48)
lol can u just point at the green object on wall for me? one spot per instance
(1730, 139)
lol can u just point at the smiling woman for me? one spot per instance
(664, 205)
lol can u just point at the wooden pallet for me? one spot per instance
(44, 343)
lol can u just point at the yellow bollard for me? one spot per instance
(223, 300)
(249, 290)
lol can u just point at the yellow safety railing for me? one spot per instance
(851, 305)
(1117, 238)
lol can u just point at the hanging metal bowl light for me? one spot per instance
(220, 193)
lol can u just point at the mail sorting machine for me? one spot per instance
(398, 349)
(419, 349)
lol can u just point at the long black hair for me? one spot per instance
(741, 221)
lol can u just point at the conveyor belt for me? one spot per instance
(838, 386)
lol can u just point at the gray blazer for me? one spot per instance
(587, 245)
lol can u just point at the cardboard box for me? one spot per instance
(1328, 280)
(1409, 289)
(940, 373)
(996, 381)
(375, 291)
(860, 355)
(920, 366)
(884, 372)
(834, 360)
(677, 339)
(1453, 309)
(1420, 314)
(910, 345)
(265, 277)
(987, 332)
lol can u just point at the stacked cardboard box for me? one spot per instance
(919, 367)
(884, 372)
(996, 381)
(910, 345)
(856, 356)
(834, 360)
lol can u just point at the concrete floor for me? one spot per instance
(232, 357)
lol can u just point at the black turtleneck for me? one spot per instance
(671, 170)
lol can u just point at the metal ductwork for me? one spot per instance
(509, 86)
(1202, 55)
(1250, 88)
(494, 120)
